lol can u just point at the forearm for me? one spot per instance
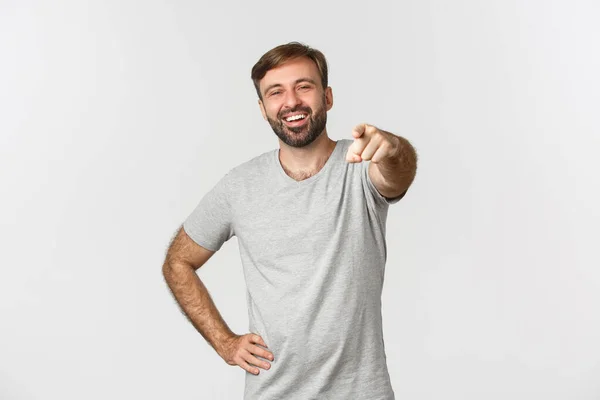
(398, 171)
(196, 303)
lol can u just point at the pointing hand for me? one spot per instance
(372, 144)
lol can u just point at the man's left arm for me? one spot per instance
(393, 159)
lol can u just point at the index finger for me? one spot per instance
(257, 339)
(359, 130)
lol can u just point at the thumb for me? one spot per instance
(353, 157)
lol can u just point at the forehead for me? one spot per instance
(291, 71)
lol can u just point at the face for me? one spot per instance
(294, 102)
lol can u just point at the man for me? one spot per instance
(310, 220)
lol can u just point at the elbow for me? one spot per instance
(171, 268)
(167, 271)
(167, 268)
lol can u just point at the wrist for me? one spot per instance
(222, 343)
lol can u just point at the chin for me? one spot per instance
(300, 140)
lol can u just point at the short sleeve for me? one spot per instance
(379, 200)
(211, 223)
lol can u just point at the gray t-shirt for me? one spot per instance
(313, 255)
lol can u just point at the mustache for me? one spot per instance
(306, 110)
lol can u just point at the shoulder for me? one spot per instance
(345, 143)
(253, 166)
(248, 171)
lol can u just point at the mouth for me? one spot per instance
(295, 120)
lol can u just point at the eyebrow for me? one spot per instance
(309, 80)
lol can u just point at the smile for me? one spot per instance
(295, 117)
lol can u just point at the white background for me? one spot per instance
(116, 117)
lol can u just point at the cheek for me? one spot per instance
(315, 103)
(270, 108)
(273, 112)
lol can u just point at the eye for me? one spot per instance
(304, 87)
(276, 92)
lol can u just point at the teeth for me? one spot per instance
(295, 117)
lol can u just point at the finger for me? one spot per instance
(380, 154)
(370, 149)
(359, 130)
(358, 146)
(244, 365)
(249, 358)
(352, 158)
(262, 353)
(257, 339)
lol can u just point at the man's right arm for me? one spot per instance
(184, 258)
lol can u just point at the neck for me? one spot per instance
(302, 163)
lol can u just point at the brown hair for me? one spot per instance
(283, 53)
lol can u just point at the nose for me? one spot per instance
(291, 99)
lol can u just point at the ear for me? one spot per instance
(329, 97)
(262, 109)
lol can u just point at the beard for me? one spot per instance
(303, 135)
